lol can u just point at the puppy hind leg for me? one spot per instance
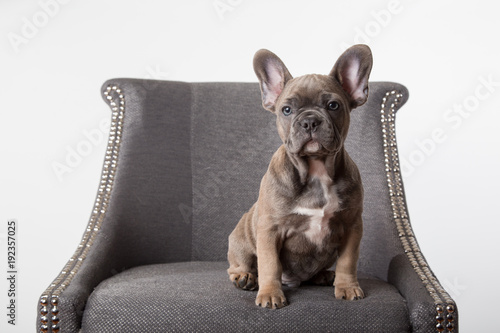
(242, 267)
(245, 281)
(243, 276)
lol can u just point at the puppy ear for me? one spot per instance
(272, 75)
(352, 71)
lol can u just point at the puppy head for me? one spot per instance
(313, 110)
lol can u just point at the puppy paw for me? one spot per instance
(274, 299)
(246, 281)
(350, 291)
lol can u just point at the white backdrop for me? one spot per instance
(55, 55)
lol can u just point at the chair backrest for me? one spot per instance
(191, 159)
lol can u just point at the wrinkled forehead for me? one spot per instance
(311, 89)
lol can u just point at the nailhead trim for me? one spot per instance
(116, 101)
(441, 298)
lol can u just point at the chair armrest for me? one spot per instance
(431, 308)
(135, 221)
(96, 258)
(63, 303)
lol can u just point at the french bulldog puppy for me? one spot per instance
(308, 213)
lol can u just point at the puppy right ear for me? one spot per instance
(272, 74)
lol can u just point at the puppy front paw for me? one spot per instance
(246, 281)
(349, 291)
(272, 299)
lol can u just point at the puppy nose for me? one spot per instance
(310, 123)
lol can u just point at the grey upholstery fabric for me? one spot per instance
(421, 305)
(233, 141)
(183, 164)
(198, 297)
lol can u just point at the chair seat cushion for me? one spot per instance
(198, 297)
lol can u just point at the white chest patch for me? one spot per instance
(318, 222)
(318, 227)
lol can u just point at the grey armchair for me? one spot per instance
(183, 163)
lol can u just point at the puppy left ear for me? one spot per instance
(272, 74)
(352, 71)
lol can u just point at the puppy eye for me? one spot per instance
(286, 110)
(333, 106)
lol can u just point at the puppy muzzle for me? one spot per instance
(312, 133)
